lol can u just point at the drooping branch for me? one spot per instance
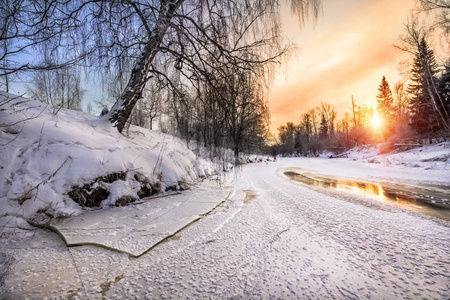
(121, 110)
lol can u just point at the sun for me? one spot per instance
(376, 121)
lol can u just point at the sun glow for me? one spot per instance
(376, 121)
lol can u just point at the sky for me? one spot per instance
(346, 53)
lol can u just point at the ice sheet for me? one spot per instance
(137, 228)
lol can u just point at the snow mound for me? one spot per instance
(429, 157)
(45, 156)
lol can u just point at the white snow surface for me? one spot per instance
(44, 155)
(427, 164)
(271, 239)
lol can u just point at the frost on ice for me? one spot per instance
(136, 229)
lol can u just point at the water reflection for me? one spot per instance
(426, 199)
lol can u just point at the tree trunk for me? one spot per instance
(435, 105)
(150, 125)
(354, 114)
(121, 110)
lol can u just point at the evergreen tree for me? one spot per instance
(385, 101)
(323, 127)
(306, 125)
(427, 109)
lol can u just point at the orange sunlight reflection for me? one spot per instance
(410, 198)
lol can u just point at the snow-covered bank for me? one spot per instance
(428, 164)
(44, 156)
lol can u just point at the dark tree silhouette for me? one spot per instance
(428, 110)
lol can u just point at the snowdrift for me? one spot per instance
(48, 160)
(429, 157)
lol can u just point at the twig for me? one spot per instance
(17, 135)
(160, 157)
(42, 182)
(40, 135)
(9, 99)
(23, 120)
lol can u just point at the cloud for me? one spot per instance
(345, 56)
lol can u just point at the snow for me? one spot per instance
(428, 164)
(287, 242)
(44, 155)
(269, 238)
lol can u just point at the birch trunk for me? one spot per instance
(121, 110)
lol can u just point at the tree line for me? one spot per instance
(417, 107)
(201, 67)
(201, 70)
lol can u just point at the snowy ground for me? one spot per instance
(137, 228)
(428, 164)
(45, 155)
(272, 238)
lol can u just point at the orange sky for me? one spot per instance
(347, 53)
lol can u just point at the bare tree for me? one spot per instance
(152, 103)
(328, 113)
(101, 32)
(401, 100)
(60, 88)
(355, 123)
(441, 8)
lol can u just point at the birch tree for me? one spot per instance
(151, 32)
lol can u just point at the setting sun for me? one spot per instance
(376, 121)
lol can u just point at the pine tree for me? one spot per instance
(385, 101)
(428, 112)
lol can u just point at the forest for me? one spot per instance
(202, 70)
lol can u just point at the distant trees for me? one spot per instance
(60, 88)
(306, 129)
(318, 129)
(422, 103)
(287, 137)
(328, 114)
(323, 127)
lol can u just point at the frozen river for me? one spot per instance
(272, 238)
(431, 200)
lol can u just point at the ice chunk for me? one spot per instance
(137, 228)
